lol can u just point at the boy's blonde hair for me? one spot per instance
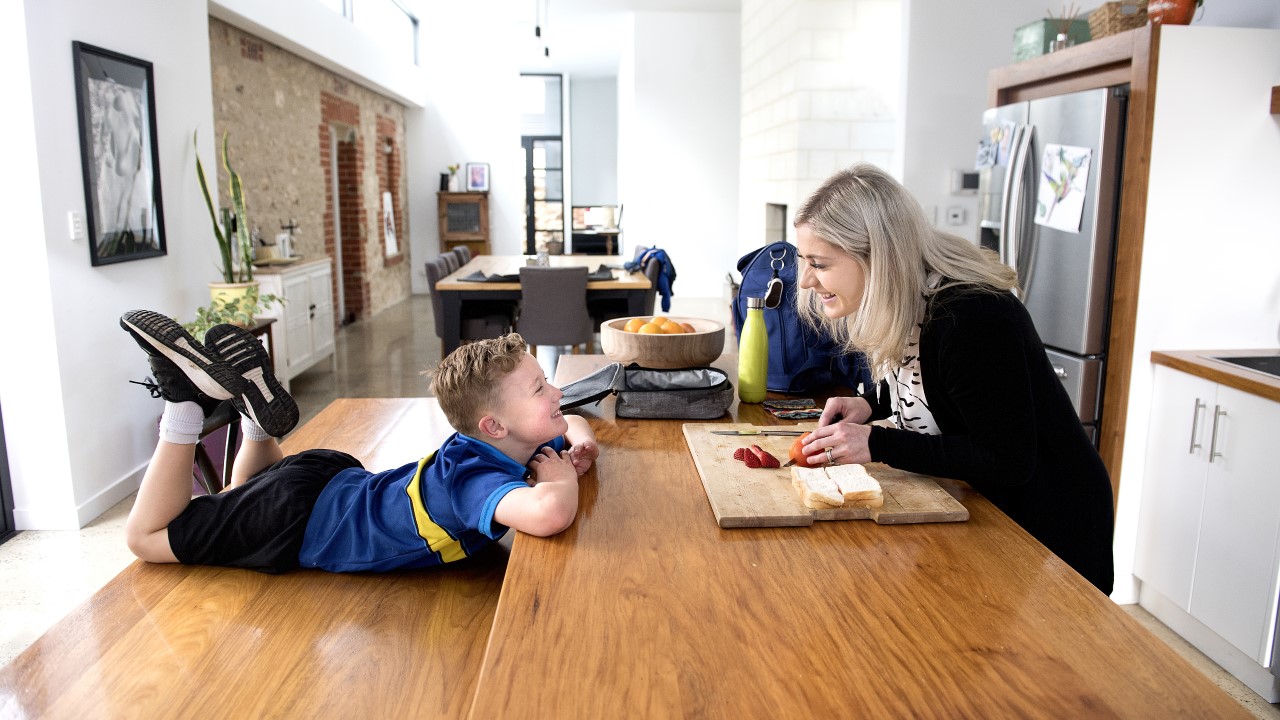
(869, 215)
(467, 381)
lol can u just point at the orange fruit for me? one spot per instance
(797, 451)
(651, 329)
(633, 325)
(688, 328)
(659, 321)
(672, 328)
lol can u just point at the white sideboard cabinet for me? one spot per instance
(1209, 523)
(304, 330)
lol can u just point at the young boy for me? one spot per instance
(320, 508)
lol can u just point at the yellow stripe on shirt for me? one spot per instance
(437, 539)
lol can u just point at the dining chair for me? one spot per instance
(450, 261)
(480, 318)
(602, 311)
(553, 307)
(464, 254)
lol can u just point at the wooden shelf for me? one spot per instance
(464, 220)
(1275, 100)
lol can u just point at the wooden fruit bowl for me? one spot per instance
(695, 349)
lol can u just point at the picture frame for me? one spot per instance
(119, 155)
(477, 177)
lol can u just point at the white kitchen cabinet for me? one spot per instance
(306, 337)
(1209, 522)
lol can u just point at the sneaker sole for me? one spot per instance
(213, 377)
(265, 399)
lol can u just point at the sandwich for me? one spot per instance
(836, 486)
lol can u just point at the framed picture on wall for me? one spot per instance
(119, 158)
(477, 177)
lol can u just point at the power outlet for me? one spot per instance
(75, 225)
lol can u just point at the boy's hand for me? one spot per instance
(548, 465)
(583, 454)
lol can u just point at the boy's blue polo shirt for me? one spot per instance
(436, 510)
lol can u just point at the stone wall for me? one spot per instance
(284, 116)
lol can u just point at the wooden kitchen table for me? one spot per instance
(629, 286)
(645, 608)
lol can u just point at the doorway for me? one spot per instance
(344, 198)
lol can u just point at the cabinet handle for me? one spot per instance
(1060, 371)
(1195, 420)
(312, 311)
(1218, 412)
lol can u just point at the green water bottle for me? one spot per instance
(753, 354)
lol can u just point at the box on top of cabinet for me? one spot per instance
(1032, 40)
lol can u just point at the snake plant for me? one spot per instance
(232, 272)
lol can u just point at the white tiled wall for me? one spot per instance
(820, 81)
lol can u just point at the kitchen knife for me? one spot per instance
(758, 432)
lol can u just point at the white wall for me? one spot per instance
(593, 117)
(470, 53)
(1211, 252)
(677, 145)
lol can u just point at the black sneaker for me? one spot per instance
(162, 337)
(264, 398)
(170, 383)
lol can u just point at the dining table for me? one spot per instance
(496, 277)
(645, 607)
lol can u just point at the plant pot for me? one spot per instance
(227, 292)
(1171, 12)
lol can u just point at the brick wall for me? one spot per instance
(281, 112)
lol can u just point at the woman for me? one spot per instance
(957, 365)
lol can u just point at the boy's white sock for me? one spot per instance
(182, 422)
(251, 429)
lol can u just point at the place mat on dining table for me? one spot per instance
(479, 276)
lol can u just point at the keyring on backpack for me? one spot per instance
(773, 291)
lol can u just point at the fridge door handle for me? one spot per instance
(1006, 195)
(1014, 229)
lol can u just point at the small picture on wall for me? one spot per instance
(115, 101)
(477, 177)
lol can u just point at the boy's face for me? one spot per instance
(529, 406)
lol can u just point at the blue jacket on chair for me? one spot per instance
(666, 278)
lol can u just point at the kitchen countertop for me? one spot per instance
(644, 607)
(1201, 363)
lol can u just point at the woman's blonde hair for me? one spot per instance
(468, 381)
(869, 215)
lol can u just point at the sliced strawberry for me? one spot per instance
(766, 460)
(750, 458)
(737, 454)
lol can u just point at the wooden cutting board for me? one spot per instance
(744, 497)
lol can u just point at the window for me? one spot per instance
(540, 123)
(391, 22)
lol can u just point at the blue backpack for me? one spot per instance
(800, 358)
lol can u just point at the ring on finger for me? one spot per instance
(830, 457)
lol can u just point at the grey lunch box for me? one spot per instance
(699, 393)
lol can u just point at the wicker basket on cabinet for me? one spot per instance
(1116, 17)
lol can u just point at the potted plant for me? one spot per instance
(238, 310)
(237, 272)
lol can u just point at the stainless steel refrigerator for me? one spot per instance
(1049, 182)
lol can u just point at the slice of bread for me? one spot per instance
(833, 486)
(816, 489)
(856, 485)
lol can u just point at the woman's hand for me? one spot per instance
(847, 442)
(844, 410)
(840, 429)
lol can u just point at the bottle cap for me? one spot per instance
(754, 303)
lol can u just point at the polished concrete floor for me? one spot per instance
(381, 357)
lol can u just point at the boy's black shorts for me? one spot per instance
(259, 525)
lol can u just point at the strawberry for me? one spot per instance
(766, 460)
(737, 454)
(750, 458)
